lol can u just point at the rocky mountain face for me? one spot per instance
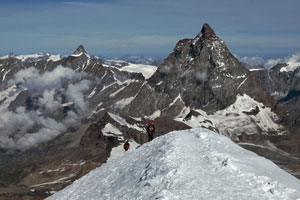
(62, 117)
(200, 73)
(282, 82)
(278, 81)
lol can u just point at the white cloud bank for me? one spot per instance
(22, 129)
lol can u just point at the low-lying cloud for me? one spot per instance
(272, 62)
(293, 61)
(37, 82)
(15, 128)
(165, 69)
(22, 128)
(253, 61)
(201, 76)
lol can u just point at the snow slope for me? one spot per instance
(234, 120)
(146, 70)
(190, 164)
(119, 151)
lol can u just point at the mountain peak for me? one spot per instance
(207, 31)
(80, 50)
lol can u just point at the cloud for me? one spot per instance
(293, 61)
(34, 81)
(16, 129)
(201, 76)
(252, 61)
(272, 62)
(165, 69)
(75, 93)
(22, 129)
(49, 101)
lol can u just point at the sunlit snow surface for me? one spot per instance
(191, 164)
(234, 120)
(119, 150)
(146, 70)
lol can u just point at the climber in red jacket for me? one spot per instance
(151, 131)
(126, 146)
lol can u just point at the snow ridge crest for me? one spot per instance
(190, 164)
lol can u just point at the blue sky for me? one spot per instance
(263, 28)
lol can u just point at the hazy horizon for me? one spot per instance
(115, 28)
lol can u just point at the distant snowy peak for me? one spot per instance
(34, 57)
(190, 164)
(80, 51)
(146, 70)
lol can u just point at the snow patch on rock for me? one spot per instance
(111, 130)
(146, 70)
(123, 122)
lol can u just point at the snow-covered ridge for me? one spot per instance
(190, 164)
(35, 57)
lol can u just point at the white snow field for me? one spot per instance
(146, 70)
(190, 164)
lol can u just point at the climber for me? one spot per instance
(151, 131)
(126, 146)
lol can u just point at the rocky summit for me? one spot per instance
(200, 73)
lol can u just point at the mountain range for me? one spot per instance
(61, 117)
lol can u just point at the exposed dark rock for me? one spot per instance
(207, 32)
(200, 73)
(80, 50)
(254, 111)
